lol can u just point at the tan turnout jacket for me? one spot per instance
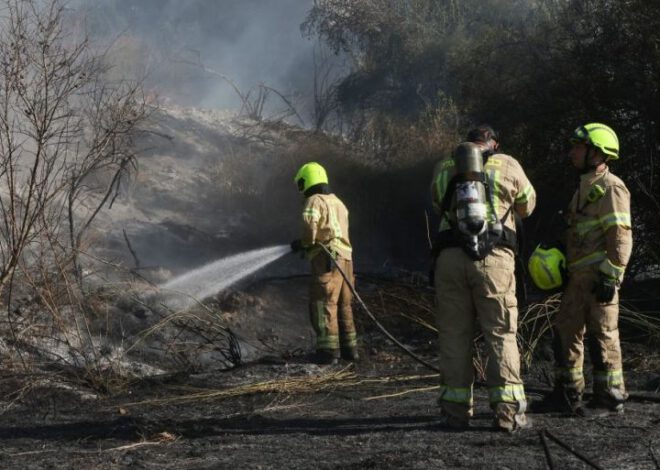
(508, 182)
(325, 222)
(599, 226)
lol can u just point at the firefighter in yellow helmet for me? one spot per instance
(325, 222)
(476, 192)
(598, 247)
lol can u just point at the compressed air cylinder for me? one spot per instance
(470, 190)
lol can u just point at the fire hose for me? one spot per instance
(637, 396)
(373, 318)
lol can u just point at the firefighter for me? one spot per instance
(325, 222)
(476, 193)
(598, 247)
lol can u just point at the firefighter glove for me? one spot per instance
(297, 246)
(604, 289)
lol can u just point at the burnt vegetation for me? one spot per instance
(395, 84)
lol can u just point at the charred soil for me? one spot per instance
(282, 411)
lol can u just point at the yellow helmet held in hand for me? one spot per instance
(547, 266)
(310, 174)
(600, 136)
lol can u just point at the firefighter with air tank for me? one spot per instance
(477, 193)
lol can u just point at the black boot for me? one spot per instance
(326, 357)
(350, 354)
(606, 402)
(560, 400)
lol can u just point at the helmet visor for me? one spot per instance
(581, 134)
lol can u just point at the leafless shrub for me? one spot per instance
(66, 144)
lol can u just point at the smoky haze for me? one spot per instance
(249, 41)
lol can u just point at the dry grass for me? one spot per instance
(325, 381)
(405, 307)
(287, 385)
(534, 323)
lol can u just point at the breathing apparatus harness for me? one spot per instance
(471, 230)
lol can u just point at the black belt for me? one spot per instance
(448, 239)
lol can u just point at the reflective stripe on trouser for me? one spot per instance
(330, 304)
(580, 313)
(471, 293)
(570, 377)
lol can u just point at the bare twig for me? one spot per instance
(131, 250)
(548, 456)
(653, 456)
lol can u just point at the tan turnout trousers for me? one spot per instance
(325, 222)
(330, 305)
(580, 313)
(598, 242)
(478, 294)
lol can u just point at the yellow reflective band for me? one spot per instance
(456, 395)
(349, 340)
(313, 214)
(507, 393)
(523, 196)
(612, 378)
(585, 227)
(448, 163)
(621, 219)
(588, 260)
(494, 180)
(441, 184)
(338, 244)
(572, 374)
(336, 229)
(493, 162)
(610, 269)
(327, 342)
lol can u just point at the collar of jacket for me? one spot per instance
(593, 175)
(318, 189)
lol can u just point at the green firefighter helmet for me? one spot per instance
(310, 174)
(546, 267)
(600, 136)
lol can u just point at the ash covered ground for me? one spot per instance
(281, 411)
(130, 383)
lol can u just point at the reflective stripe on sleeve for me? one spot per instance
(621, 219)
(588, 260)
(338, 244)
(611, 270)
(585, 227)
(523, 196)
(312, 214)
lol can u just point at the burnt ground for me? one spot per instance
(379, 413)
